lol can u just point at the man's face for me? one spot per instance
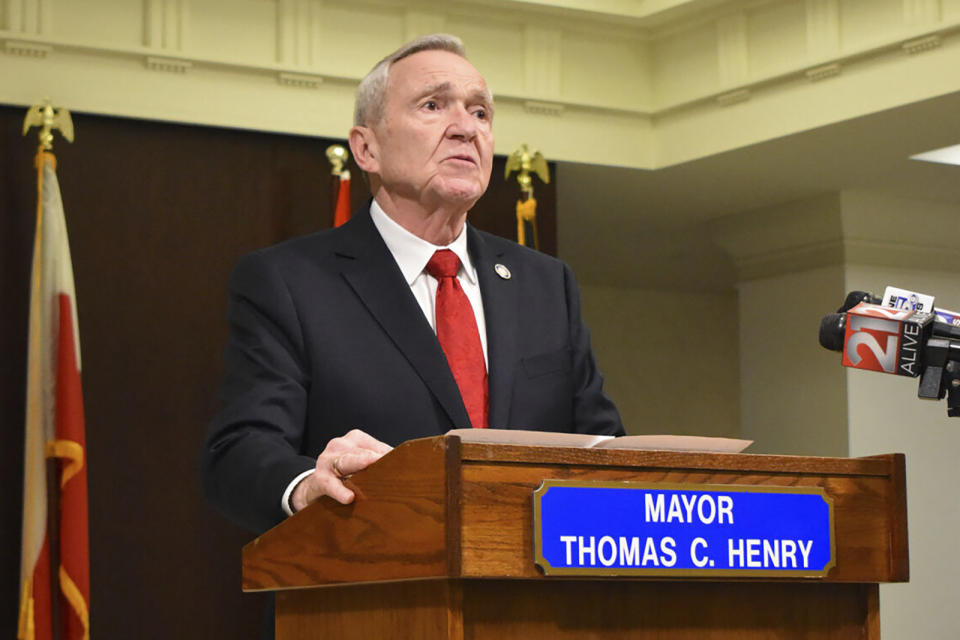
(434, 144)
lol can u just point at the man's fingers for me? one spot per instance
(349, 463)
(364, 440)
(334, 488)
(342, 457)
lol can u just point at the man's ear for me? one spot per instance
(366, 152)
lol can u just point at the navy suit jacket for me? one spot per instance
(326, 336)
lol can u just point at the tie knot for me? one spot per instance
(443, 264)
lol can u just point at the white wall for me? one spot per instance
(792, 392)
(670, 359)
(886, 416)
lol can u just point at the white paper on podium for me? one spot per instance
(701, 444)
(530, 438)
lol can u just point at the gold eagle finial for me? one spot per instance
(526, 161)
(48, 119)
(338, 156)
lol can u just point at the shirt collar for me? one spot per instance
(412, 253)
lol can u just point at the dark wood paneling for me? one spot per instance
(475, 601)
(567, 609)
(395, 528)
(157, 214)
(498, 522)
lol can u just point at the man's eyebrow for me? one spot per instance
(479, 95)
(483, 98)
(440, 87)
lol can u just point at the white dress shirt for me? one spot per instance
(412, 254)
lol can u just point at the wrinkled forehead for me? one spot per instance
(444, 70)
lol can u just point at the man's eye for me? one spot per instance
(481, 114)
(431, 105)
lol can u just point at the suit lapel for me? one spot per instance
(500, 315)
(373, 274)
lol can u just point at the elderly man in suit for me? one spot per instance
(404, 322)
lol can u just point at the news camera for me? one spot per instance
(902, 333)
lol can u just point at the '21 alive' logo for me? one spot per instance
(882, 339)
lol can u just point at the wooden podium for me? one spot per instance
(439, 544)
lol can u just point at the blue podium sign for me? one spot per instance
(654, 529)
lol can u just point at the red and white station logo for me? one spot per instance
(872, 339)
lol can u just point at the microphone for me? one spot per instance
(856, 297)
(833, 325)
(878, 338)
(893, 335)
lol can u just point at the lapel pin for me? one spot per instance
(502, 271)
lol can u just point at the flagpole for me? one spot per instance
(526, 162)
(55, 542)
(44, 155)
(340, 189)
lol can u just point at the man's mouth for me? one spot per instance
(463, 158)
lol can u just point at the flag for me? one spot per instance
(341, 212)
(527, 223)
(54, 429)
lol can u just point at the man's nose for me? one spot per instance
(463, 124)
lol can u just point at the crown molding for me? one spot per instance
(850, 227)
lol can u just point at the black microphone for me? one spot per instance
(856, 297)
(833, 325)
(832, 328)
(901, 341)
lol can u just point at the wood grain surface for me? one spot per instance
(870, 522)
(439, 508)
(439, 544)
(425, 609)
(560, 610)
(395, 528)
(567, 609)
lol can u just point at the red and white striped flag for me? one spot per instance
(341, 213)
(54, 429)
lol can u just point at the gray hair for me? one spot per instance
(368, 104)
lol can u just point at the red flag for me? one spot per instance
(341, 212)
(54, 429)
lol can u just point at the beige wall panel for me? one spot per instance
(240, 98)
(575, 135)
(886, 416)
(114, 23)
(786, 238)
(343, 51)
(204, 96)
(609, 72)
(950, 10)
(864, 23)
(685, 65)
(667, 372)
(792, 391)
(249, 35)
(421, 23)
(496, 49)
(799, 105)
(606, 87)
(874, 225)
(777, 38)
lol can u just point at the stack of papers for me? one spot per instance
(701, 444)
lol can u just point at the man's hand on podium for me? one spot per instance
(341, 458)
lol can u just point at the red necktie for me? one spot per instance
(458, 336)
